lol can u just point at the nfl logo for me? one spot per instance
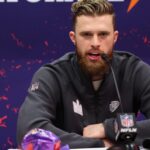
(127, 120)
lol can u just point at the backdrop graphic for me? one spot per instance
(34, 32)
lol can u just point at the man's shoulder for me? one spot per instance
(65, 58)
(128, 60)
(125, 57)
(59, 66)
(60, 63)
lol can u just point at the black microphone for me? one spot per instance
(125, 124)
(146, 143)
(125, 127)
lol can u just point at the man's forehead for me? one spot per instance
(81, 17)
(94, 23)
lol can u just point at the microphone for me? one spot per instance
(125, 124)
(125, 127)
(146, 143)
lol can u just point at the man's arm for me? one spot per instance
(39, 111)
(97, 131)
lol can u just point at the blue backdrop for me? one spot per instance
(32, 34)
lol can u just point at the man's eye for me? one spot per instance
(103, 34)
(86, 34)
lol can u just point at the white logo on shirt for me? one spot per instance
(77, 107)
(114, 105)
(34, 86)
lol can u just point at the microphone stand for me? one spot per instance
(128, 136)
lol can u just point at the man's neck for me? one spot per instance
(98, 77)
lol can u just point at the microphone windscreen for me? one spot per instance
(105, 57)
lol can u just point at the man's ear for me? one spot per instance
(116, 34)
(72, 37)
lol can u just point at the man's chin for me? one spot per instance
(94, 68)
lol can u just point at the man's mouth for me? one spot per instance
(94, 56)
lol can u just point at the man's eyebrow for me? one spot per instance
(107, 32)
(86, 32)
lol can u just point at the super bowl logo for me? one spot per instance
(131, 5)
(35, 1)
(127, 120)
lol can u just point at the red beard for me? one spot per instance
(93, 68)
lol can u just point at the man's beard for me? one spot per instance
(95, 69)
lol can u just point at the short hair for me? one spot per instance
(92, 8)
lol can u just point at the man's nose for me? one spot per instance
(95, 41)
